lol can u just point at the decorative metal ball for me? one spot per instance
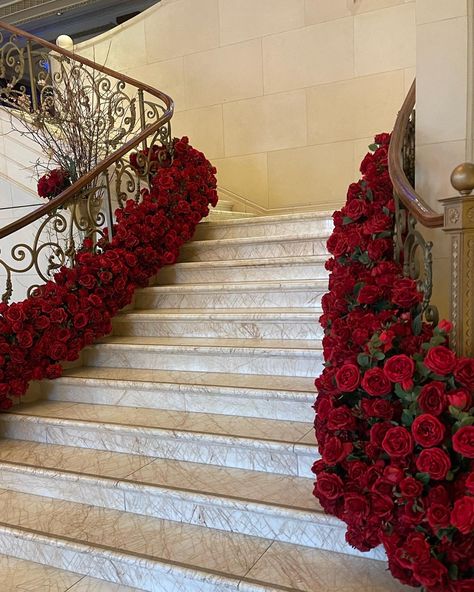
(462, 178)
(65, 42)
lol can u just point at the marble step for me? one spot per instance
(221, 324)
(287, 224)
(244, 270)
(273, 446)
(157, 555)
(225, 205)
(235, 356)
(269, 294)
(254, 247)
(271, 397)
(19, 575)
(259, 504)
(219, 215)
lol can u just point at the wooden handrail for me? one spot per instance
(402, 187)
(73, 189)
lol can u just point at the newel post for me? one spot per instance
(459, 225)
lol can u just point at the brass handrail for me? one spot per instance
(402, 187)
(102, 166)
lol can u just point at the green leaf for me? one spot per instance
(455, 411)
(453, 571)
(363, 360)
(379, 355)
(423, 477)
(364, 258)
(422, 369)
(369, 195)
(407, 418)
(357, 288)
(449, 476)
(417, 325)
(347, 220)
(373, 147)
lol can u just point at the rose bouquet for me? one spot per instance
(394, 419)
(52, 183)
(76, 307)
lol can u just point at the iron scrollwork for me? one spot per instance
(410, 247)
(78, 115)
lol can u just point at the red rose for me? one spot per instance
(335, 450)
(460, 398)
(430, 573)
(397, 442)
(415, 550)
(341, 418)
(470, 482)
(464, 372)
(369, 294)
(356, 507)
(380, 408)
(462, 515)
(382, 139)
(355, 209)
(440, 360)
(399, 368)
(432, 398)
(337, 244)
(25, 339)
(348, 378)
(427, 430)
(410, 487)
(435, 462)
(438, 516)
(376, 383)
(463, 441)
(329, 486)
(445, 326)
(405, 293)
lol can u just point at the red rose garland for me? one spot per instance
(76, 307)
(394, 419)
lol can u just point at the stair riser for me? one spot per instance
(267, 406)
(231, 273)
(149, 299)
(113, 566)
(281, 524)
(235, 362)
(219, 329)
(293, 248)
(201, 448)
(270, 228)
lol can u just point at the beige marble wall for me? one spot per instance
(284, 96)
(444, 113)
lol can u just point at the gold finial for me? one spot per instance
(462, 178)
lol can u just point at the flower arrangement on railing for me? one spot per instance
(394, 419)
(76, 307)
(54, 182)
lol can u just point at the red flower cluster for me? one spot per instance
(53, 183)
(77, 305)
(394, 419)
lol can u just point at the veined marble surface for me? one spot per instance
(256, 294)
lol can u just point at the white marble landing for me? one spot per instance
(270, 397)
(245, 270)
(261, 295)
(253, 323)
(246, 356)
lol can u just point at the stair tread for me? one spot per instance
(202, 550)
(210, 343)
(244, 240)
(290, 384)
(228, 313)
(268, 430)
(263, 488)
(27, 576)
(316, 215)
(240, 286)
(279, 261)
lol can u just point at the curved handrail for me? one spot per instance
(83, 181)
(402, 187)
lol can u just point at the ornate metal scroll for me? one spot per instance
(78, 115)
(411, 248)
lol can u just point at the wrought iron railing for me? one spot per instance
(411, 249)
(88, 119)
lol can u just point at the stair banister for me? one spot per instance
(148, 125)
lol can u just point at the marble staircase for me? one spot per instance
(177, 456)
